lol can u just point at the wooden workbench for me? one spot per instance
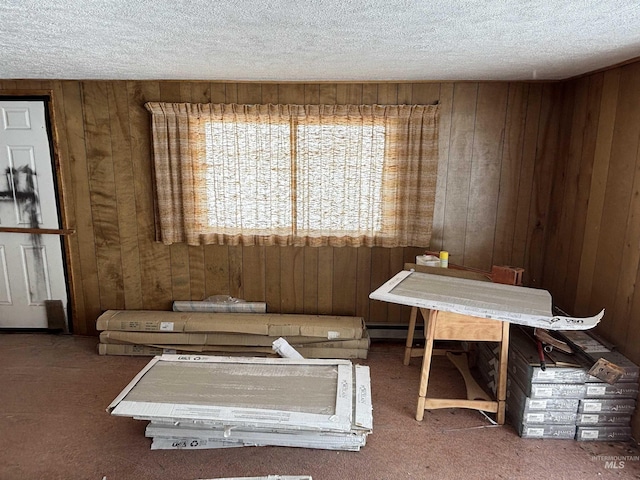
(471, 310)
(452, 326)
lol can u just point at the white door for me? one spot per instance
(31, 263)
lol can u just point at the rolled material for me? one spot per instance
(218, 307)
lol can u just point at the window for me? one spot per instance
(330, 181)
(294, 175)
(249, 176)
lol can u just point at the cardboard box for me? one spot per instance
(198, 401)
(617, 405)
(602, 419)
(516, 397)
(594, 349)
(546, 417)
(189, 437)
(220, 339)
(617, 390)
(133, 350)
(152, 350)
(547, 431)
(550, 390)
(613, 434)
(524, 363)
(276, 325)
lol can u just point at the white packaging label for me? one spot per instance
(535, 417)
(589, 418)
(543, 392)
(538, 404)
(535, 432)
(546, 374)
(596, 390)
(589, 434)
(333, 335)
(592, 406)
(191, 358)
(166, 326)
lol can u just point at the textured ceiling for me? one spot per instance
(315, 40)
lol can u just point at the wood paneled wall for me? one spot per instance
(592, 254)
(498, 145)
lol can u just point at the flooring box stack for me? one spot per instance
(606, 410)
(202, 402)
(540, 403)
(145, 332)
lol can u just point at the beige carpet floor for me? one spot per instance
(53, 425)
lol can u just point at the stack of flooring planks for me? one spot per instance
(541, 401)
(204, 402)
(561, 399)
(605, 412)
(146, 332)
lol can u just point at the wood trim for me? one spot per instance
(603, 69)
(38, 231)
(376, 82)
(27, 93)
(54, 105)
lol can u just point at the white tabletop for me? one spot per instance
(521, 305)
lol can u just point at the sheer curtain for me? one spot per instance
(309, 175)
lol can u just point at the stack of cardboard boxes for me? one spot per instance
(196, 402)
(559, 398)
(542, 402)
(145, 332)
(606, 409)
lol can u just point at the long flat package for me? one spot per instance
(329, 327)
(220, 339)
(159, 349)
(520, 305)
(594, 350)
(271, 401)
(117, 342)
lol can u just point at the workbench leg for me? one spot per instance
(430, 318)
(501, 390)
(410, 332)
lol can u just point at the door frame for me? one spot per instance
(47, 96)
